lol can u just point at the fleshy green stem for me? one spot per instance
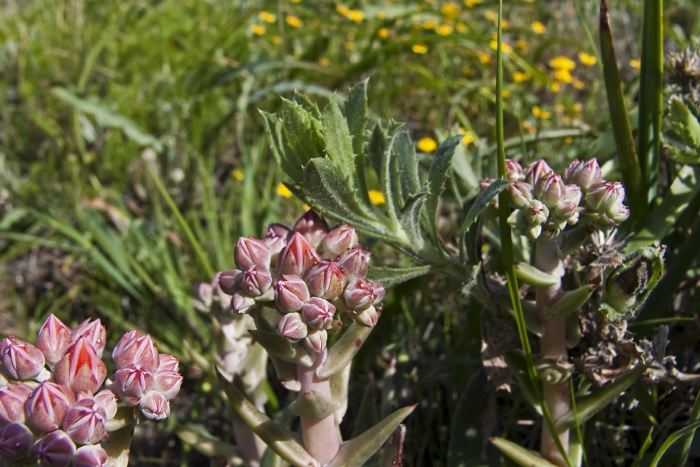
(321, 436)
(553, 348)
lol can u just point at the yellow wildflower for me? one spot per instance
(467, 70)
(342, 9)
(267, 17)
(376, 197)
(471, 3)
(277, 40)
(538, 27)
(505, 93)
(419, 49)
(430, 24)
(537, 112)
(461, 27)
(506, 47)
(356, 16)
(491, 15)
(381, 15)
(522, 45)
(559, 108)
(484, 57)
(238, 175)
(258, 29)
(520, 76)
(468, 137)
(324, 61)
(578, 107)
(296, 1)
(444, 30)
(563, 76)
(562, 63)
(350, 45)
(587, 60)
(578, 84)
(636, 64)
(426, 144)
(283, 191)
(450, 10)
(383, 33)
(306, 207)
(293, 21)
(555, 87)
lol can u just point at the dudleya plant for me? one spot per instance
(302, 285)
(57, 406)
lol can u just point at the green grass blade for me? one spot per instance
(672, 438)
(694, 417)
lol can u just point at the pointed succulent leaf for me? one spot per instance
(410, 220)
(286, 373)
(280, 346)
(481, 201)
(533, 276)
(437, 177)
(279, 439)
(359, 449)
(343, 351)
(340, 383)
(590, 405)
(394, 276)
(520, 455)
(204, 442)
(570, 301)
(312, 405)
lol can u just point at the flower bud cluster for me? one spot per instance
(53, 406)
(545, 203)
(309, 273)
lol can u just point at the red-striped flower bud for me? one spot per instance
(12, 399)
(55, 449)
(168, 363)
(229, 281)
(15, 442)
(47, 405)
(379, 292)
(53, 340)
(537, 171)
(131, 384)
(583, 174)
(166, 380)
(318, 313)
(255, 282)
(297, 257)
(536, 213)
(275, 239)
(21, 360)
(292, 327)
(80, 368)
(359, 294)
(326, 280)
(251, 251)
(278, 230)
(94, 332)
(550, 190)
(107, 401)
(137, 350)
(240, 303)
(339, 240)
(514, 171)
(312, 226)
(618, 213)
(567, 211)
(355, 262)
(316, 341)
(521, 194)
(367, 317)
(85, 422)
(91, 455)
(602, 196)
(155, 406)
(291, 292)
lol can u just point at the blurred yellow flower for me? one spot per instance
(559, 108)
(562, 63)
(505, 93)
(538, 27)
(429, 24)
(342, 9)
(356, 16)
(461, 27)
(426, 144)
(293, 21)
(578, 107)
(636, 64)
(467, 136)
(350, 45)
(578, 84)
(491, 15)
(506, 46)
(471, 3)
(267, 17)
(258, 29)
(467, 70)
(537, 112)
(555, 87)
(384, 33)
(444, 30)
(376, 197)
(522, 45)
(450, 9)
(277, 40)
(419, 49)
(563, 76)
(296, 1)
(283, 191)
(324, 61)
(238, 175)
(585, 59)
(381, 15)
(520, 76)
(484, 57)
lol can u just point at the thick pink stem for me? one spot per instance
(321, 436)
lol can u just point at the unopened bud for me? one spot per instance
(20, 360)
(167, 380)
(339, 240)
(55, 449)
(94, 332)
(47, 406)
(131, 384)
(297, 257)
(536, 213)
(550, 190)
(53, 340)
(583, 174)
(326, 279)
(291, 292)
(85, 422)
(316, 341)
(359, 294)
(367, 317)
(379, 292)
(355, 263)
(15, 442)
(618, 213)
(91, 455)
(602, 196)
(12, 399)
(106, 400)
(318, 313)
(292, 327)
(251, 251)
(80, 368)
(537, 171)
(256, 281)
(521, 194)
(155, 406)
(229, 281)
(312, 226)
(240, 303)
(136, 349)
(514, 171)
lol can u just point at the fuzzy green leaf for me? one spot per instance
(310, 404)
(569, 302)
(481, 202)
(342, 352)
(280, 347)
(437, 176)
(302, 132)
(406, 164)
(390, 277)
(520, 455)
(292, 167)
(376, 149)
(336, 135)
(358, 450)
(356, 115)
(410, 220)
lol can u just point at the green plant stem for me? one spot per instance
(321, 436)
(553, 348)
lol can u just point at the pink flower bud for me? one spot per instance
(291, 292)
(550, 190)
(326, 280)
(485, 183)
(316, 341)
(20, 360)
(94, 332)
(135, 349)
(514, 172)
(91, 455)
(572, 194)
(318, 313)
(537, 171)
(602, 196)
(15, 442)
(131, 383)
(251, 251)
(355, 262)
(168, 363)
(240, 303)
(583, 174)
(567, 211)
(339, 240)
(80, 368)
(312, 226)
(379, 292)
(275, 245)
(278, 230)
(85, 422)
(55, 449)
(53, 340)
(12, 399)
(256, 281)
(521, 194)
(166, 380)
(359, 294)
(367, 317)
(47, 406)
(536, 213)
(229, 281)
(618, 213)
(297, 257)
(292, 327)
(107, 401)
(155, 406)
